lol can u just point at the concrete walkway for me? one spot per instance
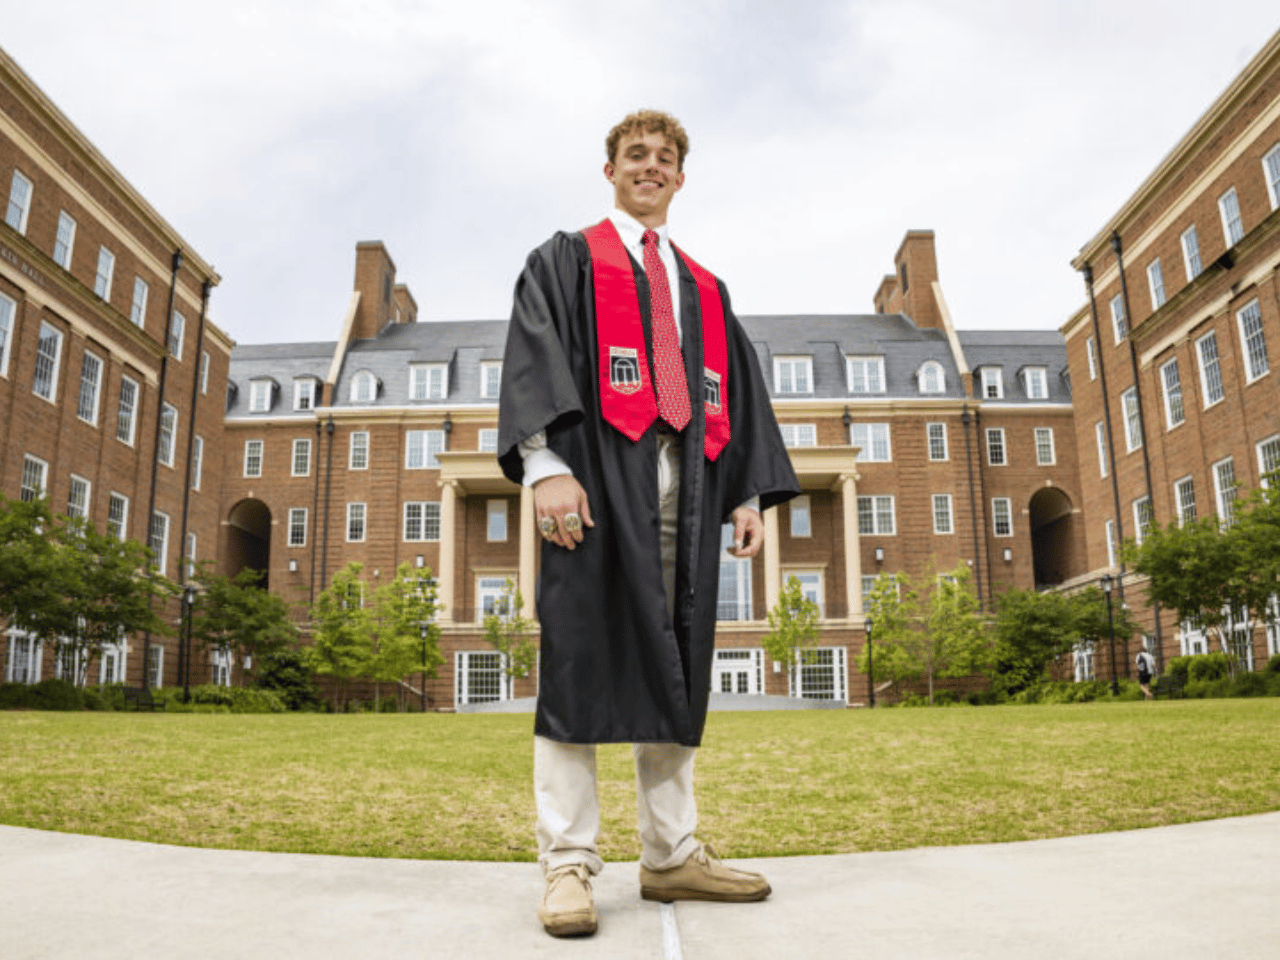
(1199, 890)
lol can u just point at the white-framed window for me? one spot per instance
(1143, 518)
(801, 516)
(138, 308)
(358, 450)
(1109, 533)
(204, 371)
(67, 662)
(261, 393)
(127, 411)
(993, 383)
(192, 555)
(1268, 457)
(942, 522)
(876, 516)
(1002, 516)
(106, 270)
(1119, 319)
(1184, 497)
(78, 497)
(1255, 343)
(253, 458)
(168, 434)
(158, 540)
(304, 393)
(1082, 659)
(7, 310)
(490, 380)
(1035, 383)
(932, 378)
(421, 520)
(1171, 383)
(155, 669)
(421, 447)
(1225, 490)
(118, 516)
(1273, 625)
(488, 440)
(177, 333)
(1210, 369)
(1232, 225)
(1091, 355)
(1046, 453)
(301, 458)
(35, 478)
(811, 587)
(364, 387)
(995, 447)
(90, 388)
(1155, 282)
(821, 674)
(479, 677)
(936, 434)
(738, 671)
(26, 654)
(48, 358)
(297, 526)
(873, 441)
(496, 522)
(1132, 420)
(428, 381)
(1271, 173)
(792, 375)
(19, 203)
(799, 434)
(220, 667)
(1237, 630)
(865, 374)
(197, 461)
(733, 599)
(1191, 252)
(1192, 639)
(65, 241)
(492, 598)
(1100, 435)
(355, 522)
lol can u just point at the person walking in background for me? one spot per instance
(1146, 669)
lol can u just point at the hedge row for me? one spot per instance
(55, 694)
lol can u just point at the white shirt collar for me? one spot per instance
(632, 231)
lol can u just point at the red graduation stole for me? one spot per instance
(627, 398)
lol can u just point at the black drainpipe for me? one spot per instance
(1146, 459)
(191, 431)
(973, 507)
(315, 518)
(982, 497)
(328, 480)
(176, 263)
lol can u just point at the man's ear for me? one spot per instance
(679, 179)
(608, 171)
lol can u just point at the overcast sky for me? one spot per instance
(275, 134)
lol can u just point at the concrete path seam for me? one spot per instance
(670, 933)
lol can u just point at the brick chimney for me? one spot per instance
(916, 265)
(404, 309)
(375, 280)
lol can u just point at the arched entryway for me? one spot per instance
(1053, 537)
(249, 539)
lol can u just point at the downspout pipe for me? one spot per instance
(328, 480)
(175, 266)
(973, 506)
(191, 430)
(982, 497)
(315, 517)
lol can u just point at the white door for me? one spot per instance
(737, 671)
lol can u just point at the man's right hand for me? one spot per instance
(556, 497)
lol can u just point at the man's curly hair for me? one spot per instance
(649, 121)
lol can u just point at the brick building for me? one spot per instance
(111, 376)
(1176, 409)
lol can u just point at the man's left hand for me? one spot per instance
(748, 532)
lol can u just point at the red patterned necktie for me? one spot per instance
(668, 362)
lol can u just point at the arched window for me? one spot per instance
(364, 387)
(932, 378)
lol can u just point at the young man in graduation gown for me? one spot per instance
(632, 403)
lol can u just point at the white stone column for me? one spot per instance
(527, 579)
(448, 513)
(772, 557)
(848, 483)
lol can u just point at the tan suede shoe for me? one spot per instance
(703, 877)
(567, 909)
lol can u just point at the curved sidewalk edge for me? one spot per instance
(1194, 890)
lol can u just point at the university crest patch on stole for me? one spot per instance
(711, 389)
(624, 369)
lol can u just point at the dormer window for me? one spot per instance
(304, 393)
(792, 375)
(261, 395)
(992, 383)
(364, 387)
(1035, 383)
(932, 378)
(490, 380)
(428, 381)
(866, 374)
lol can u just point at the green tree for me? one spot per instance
(32, 571)
(287, 674)
(893, 607)
(236, 615)
(957, 642)
(510, 632)
(1030, 630)
(1091, 621)
(793, 630)
(340, 648)
(404, 637)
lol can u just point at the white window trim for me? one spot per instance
(124, 514)
(803, 573)
(799, 434)
(197, 461)
(88, 496)
(798, 507)
(404, 521)
(162, 555)
(133, 410)
(849, 361)
(485, 367)
(8, 310)
(995, 530)
(1053, 448)
(1032, 375)
(1004, 447)
(42, 490)
(1104, 462)
(303, 387)
(1119, 319)
(92, 418)
(1138, 534)
(1250, 374)
(1262, 463)
(429, 460)
(806, 364)
(1273, 186)
(289, 531)
(876, 530)
(25, 216)
(261, 395)
(928, 440)
(839, 673)
(992, 376)
(866, 454)
(1204, 379)
(204, 371)
(1165, 397)
(1132, 420)
(462, 669)
(104, 280)
(1155, 284)
(1225, 218)
(1091, 357)
(494, 508)
(11, 661)
(1109, 534)
(69, 247)
(423, 371)
(487, 440)
(262, 448)
(951, 517)
(177, 334)
(166, 455)
(922, 377)
(1225, 499)
(299, 443)
(363, 509)
(56, 371)
(1177, 498)
(496, 588)
(351, 450)
(361, 379)
(138, 305)
(1187, 253)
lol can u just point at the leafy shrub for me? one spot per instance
(111, 695)
(987, 698)
(94, 700)
(54, 694)
(286, 674)
(1209, 666)
(13, 696)
(1273, 684)
(237, 699)
(1248, 685)
(1273, 665)
(1178, 668)
(1206, 689)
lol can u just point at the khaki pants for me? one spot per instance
(564, 774)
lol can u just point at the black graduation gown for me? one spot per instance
(614, 668)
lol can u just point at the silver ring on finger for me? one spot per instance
(572, 522)
(547, 527)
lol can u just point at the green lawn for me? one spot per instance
(458, 786)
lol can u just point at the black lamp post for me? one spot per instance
(1107, 583)
(188, 601)
(423, 627)
(871, 680)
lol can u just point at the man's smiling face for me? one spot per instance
(645, 174)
